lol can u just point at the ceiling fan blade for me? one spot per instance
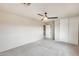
(52, 17)
(40, 14)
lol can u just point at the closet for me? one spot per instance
(66, 29)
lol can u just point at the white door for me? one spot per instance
(64, 30)
(73, 30)
(48, 34)
(69, 30)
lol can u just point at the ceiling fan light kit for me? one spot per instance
(45, 18)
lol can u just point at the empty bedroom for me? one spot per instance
(39, 29)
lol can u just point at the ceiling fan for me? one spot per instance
(45, 17)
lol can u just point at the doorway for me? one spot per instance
(48, 31)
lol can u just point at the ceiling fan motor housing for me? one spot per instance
(45, 12)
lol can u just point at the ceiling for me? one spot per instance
(53, 9)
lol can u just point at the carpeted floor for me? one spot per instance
(44, 48)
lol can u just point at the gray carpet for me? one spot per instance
(43, 48)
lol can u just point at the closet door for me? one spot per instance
(73, 30)
(64, 30)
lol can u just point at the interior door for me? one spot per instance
(73, 30)
(64, 30)
(48, 31)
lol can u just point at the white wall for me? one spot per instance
(16, 31)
